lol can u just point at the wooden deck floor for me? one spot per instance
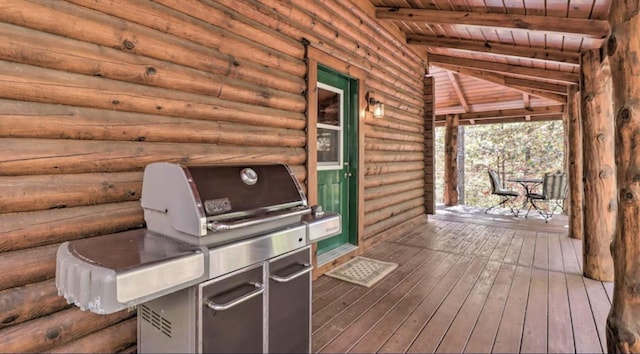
(468, 285)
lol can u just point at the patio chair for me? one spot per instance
(554, 192)
(508, 196)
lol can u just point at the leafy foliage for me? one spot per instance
(513, 149)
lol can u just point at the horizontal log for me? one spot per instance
(391, 145)
(388, 122)
(308, 16)
(51, 156)
(388, 36)
(402, 112)
(27, 266)
(387, 134)
(388, 224)
(380, 203)
(517, 52)
(390, 211)
(164, 20)
(24, 303)
(42, 192)
(20, 119)
(395, 97)
(384, 179)
(30, 229)
(531, 73)
(391, 167)
(388, 156)
(224, 18)
(129, 350)
(118, 34)
(109, 340)
(50, 331)
(42, 49)
(393, 188)
(406, 227)
(563, 25)
(28, 83)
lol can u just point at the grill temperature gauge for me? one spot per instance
(249, 176)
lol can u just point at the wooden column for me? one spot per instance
(451, 160)
(623, 46)
(575, 162)
(429, 145)
(600, 194)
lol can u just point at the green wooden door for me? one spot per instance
(337, 152)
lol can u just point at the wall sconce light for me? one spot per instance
(375, 106)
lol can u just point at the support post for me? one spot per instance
(600, 194)
(575, 163)
(451, 160)
(623, 46)
(429, 145)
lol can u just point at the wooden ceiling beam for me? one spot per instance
(502, 80)
(495, 48)
(439, 122)
(582, 27)
(514, 112)
(458, 89)
(534, 73)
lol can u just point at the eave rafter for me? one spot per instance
(495, 48)
(534, 88)
(573, 26)
(457, 87)
(532, 73)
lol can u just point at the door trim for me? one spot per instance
(315, 56)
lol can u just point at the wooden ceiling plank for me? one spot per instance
(584, 27)
(533, 73)
(458, 89)
(500, 80)
(536, 85)
(495, 48)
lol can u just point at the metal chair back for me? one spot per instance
(496, 185)
(554, 185)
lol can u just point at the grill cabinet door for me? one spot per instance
(232, 315)
(290, 303)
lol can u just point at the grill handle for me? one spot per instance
(307, 268)
(216, 226)
(259, 289)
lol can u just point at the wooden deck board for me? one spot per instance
(468, 285)
(560, 338)
(534, 335)
(411, 327)
(462, 326)
(431, 335)
(352, 335)
(486, 328)
(383, 329)
(586, 334)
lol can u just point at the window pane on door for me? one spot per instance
(328, 147)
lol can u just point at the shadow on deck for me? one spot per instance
(469, 282)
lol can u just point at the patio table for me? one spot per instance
(528, 184)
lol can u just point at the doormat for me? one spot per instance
(362, 271)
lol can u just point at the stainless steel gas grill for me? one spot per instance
(223, 265)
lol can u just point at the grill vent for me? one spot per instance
(156, 320)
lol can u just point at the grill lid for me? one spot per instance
(238, 201)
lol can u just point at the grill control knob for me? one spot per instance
(317, 211)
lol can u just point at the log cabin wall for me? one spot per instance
(93, 91)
